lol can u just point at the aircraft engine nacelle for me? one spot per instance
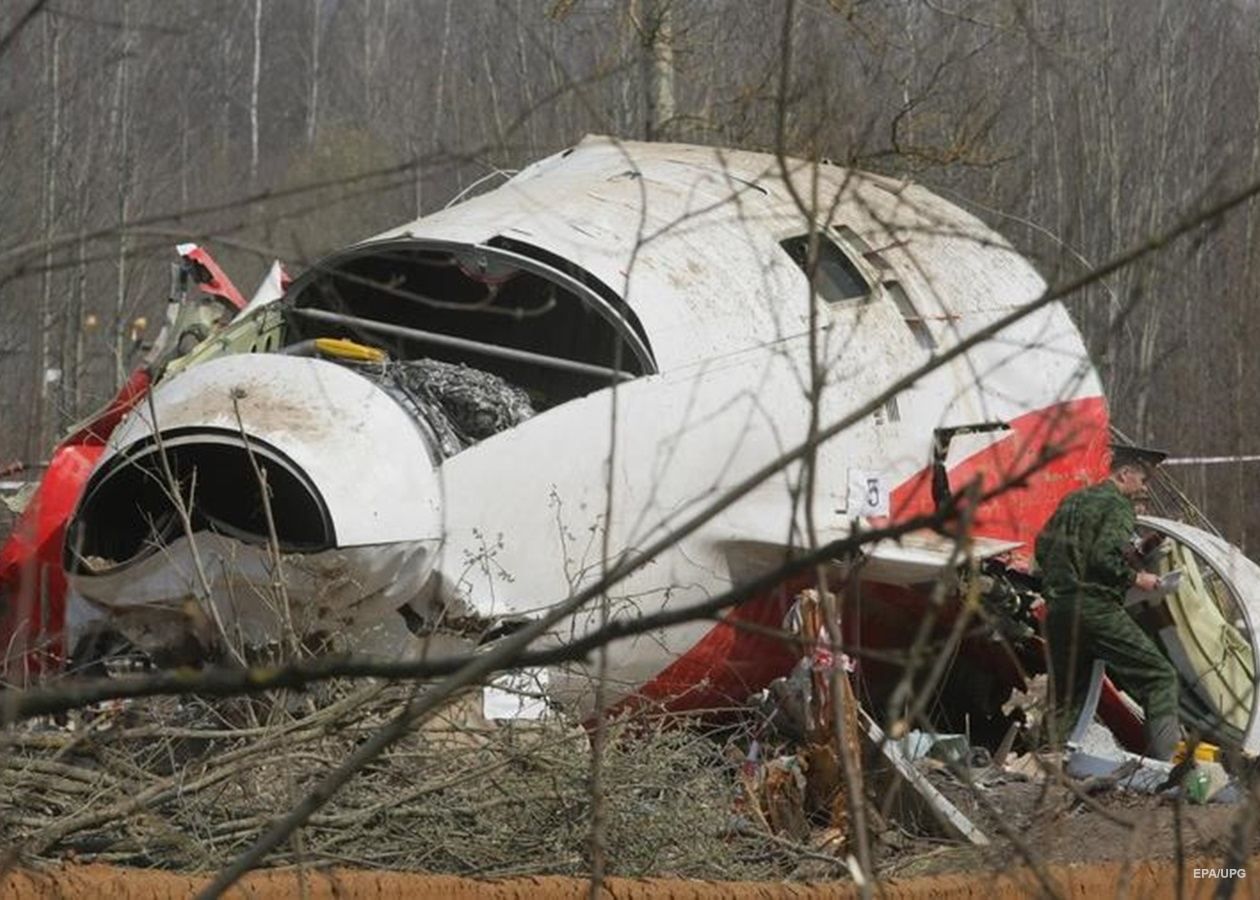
(311, 492)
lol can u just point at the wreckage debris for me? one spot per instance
(795, 793)
(463, 405)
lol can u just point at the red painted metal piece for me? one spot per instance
(210, 278)
(730, 662)
(1126, 727)
(1077, 431)
(32, 583)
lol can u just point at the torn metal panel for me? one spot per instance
(948, 814)
(1203, 782)
(15, 495)
(924, 556)
(1089, 756)
(209, 277)
(256, 599)
(1089, 708)
(270, 289)
(1128, 771)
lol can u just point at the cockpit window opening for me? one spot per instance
(910, 313)
(850, 238)
(837, 278)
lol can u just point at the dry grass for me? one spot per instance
(189, 784)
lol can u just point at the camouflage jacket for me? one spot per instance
(1081, 549)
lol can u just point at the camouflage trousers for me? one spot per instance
(1085, 628)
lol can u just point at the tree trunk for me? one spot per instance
(657, 31)
(440, 97)
(253, 94)
(74, 375)
(121, 114)
(45, 414)
(312, 91)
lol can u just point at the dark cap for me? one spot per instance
(1130, 455)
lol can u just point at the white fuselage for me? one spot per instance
(690, 239)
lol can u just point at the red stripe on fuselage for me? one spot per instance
(1075, 435)
(731, 662)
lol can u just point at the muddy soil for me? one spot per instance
(1031, 823)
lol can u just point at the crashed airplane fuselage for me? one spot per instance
(460, 421)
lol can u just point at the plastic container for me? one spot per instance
(1204, 752)
(1198, 785)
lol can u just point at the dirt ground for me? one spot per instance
(1140, 880)
(1054, 825)
(1114, 845)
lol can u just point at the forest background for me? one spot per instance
(287, 128)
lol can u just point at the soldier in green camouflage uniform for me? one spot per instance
(1085, 575)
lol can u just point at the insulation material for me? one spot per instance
(461, 404)
(1203, 642)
